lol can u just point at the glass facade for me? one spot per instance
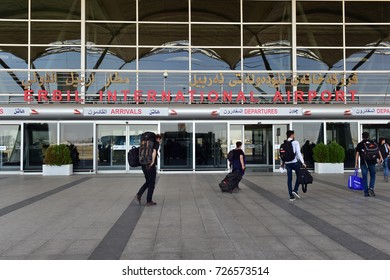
(192, 39)
(187, 55)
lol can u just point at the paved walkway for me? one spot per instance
(96, 217)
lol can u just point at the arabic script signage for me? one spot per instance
(261, 111)
(8, 111)
(371, 111)
(135, 111)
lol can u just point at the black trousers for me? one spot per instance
(150, 173)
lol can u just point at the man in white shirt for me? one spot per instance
(293, 165)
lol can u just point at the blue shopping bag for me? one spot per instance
(355, 182)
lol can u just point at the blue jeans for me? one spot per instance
(296, 166)
(386, 167)
(365, 169)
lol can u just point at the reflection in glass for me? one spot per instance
(161, 34)
(257, 144)
(172, 57)
(215, 11)
(215, 35)
(111, 33)
(266, 11)
(367, 35)
(319, 11)
(37, 138)
(345, 134)
(70, 9)
(56, 57)
(126, 11)
(308, 135)
(267, 59)
(318, 35)
(210, 145)
(378, 11)
(50, 32)
(10, 147)
(215, 59)
(81, 136)
(111, 151)
(267, 35)
(369, 59)
(176, 147)
(151, 10)
(19, 33)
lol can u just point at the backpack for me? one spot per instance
(286, 151)
(230, 156)
(371, 151)
(133, 157)
(148, 139)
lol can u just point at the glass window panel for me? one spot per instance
(160, 34)
(14, 9)
(345, 134)
(215, 59)
(308, 134)
(163, 10)
(267, 59)
(210, 146)
(215, 35)
(319, 35)
(123, 10)
(11, 87)
(10, 147)
(266, 11)
(164, 59)
(60, 57)
(111, 151)
(111, 33)
(107, 87)
(371, 88)
(216, 10)
(319, 59)
(109, 57)
(266, 35)
(80, 135)
(69, 9)
(50, 32)
(177, 138)
(37, 138)
(13, 57)
(362, 35)
(319, 11)
(13, 32)
(368, 59)
(367, 11)
(175, 85)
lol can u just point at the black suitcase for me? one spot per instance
(230, 181)
(304, 178)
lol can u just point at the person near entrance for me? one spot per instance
(238, 164)
(150, 173)
(294, 164)
(384, 148)
(369, 154)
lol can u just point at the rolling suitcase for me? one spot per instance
(304, 178)
(230, 181)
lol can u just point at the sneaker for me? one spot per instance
(296, 195)
(366, 194)
(138, 198)
(371, 191)
(151, 203)
(292, 199)
(386, 179)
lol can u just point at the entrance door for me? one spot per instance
(114, 140)
(258, 144)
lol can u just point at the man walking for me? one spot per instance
(293, 164)
(368, 152)
(150, 173)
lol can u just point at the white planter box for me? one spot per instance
(328, 167)
(57, 170)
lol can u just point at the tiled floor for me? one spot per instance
(96, 217)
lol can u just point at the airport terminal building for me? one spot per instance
(204, 74)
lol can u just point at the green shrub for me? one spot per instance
(321, 153)
(57, 155)
(336, 153)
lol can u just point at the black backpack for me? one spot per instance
(148, 139)
(286, 151)
(371, 151)
(230, 156)
(133, 157)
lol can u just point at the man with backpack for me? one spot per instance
(148, 151)
(290, 153)
(369, 154)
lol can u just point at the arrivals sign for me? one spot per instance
(126, 111)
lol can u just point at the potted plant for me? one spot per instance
(329, 158)
(57, 161)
